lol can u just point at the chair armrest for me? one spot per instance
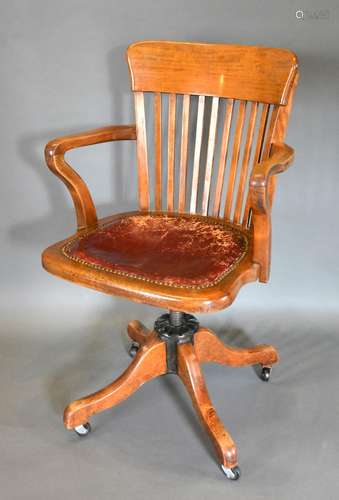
(280, 159)
(261, 193)
(54, 154)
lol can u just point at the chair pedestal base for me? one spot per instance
(151, 360)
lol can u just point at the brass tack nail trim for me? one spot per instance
(209, 220)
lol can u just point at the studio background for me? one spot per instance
(63, 70)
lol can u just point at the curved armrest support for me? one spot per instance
(260, 196)
(280, 159)
(54, 154)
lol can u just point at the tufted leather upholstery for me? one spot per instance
(184, 251)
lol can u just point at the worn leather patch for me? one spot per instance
(183, 251)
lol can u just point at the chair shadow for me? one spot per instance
(91, 365)
(60, 220)
(237, 337)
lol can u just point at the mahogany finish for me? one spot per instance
(54, 154)
(236, 100)
(149, 362)
(190, 373)
(236, 71)
(210, 349)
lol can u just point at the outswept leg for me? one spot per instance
(149, 362)
(210, 349)
(178, 352)
(138, 332)
(190, 373)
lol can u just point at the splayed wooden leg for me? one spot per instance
(190, 373)
(138, 332)
(210, 349)
(149, 362)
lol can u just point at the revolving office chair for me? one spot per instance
(203, 227)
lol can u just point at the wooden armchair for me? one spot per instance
(207, 160)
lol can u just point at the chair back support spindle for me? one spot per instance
(225, 105)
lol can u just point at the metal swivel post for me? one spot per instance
(175, 328)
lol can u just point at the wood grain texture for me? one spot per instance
(255, 74)
(235, 159)
(186, 300)
(245, 163)
(210, 349)
(235, 71)
(210, 155)
(282, 156)
(142, 155)
(223, 156)
(54, 155)
(183, 152)
(197, 153)
(269, 134)
(257, 155)
(259, 201)
(138, 332)
(261, 133)
(281, 128)
(171, 151)
(190, 373)
(149, 362)
(158, 150)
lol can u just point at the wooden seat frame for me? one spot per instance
(248, 74)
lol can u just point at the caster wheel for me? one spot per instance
(133, 349)
(265, 373)
(231, 473)
(83, 430)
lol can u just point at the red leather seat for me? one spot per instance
(184, 251)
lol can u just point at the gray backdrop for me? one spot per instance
(63, 70)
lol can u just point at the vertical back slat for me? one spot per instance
(270, 132)
(183, 152)
(197, 151)
(235, 158)
(261, 133)
(223, 156)
(234, 200)
(210, 154)
(171, 152)
(143, 186)
(158, 152)
(267, 150)
(257, 153)
(280, 130)
(245, 163)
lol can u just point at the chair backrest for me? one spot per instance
(216, 110)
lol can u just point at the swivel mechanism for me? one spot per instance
(174, 329)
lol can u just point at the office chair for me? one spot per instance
(208, 151)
